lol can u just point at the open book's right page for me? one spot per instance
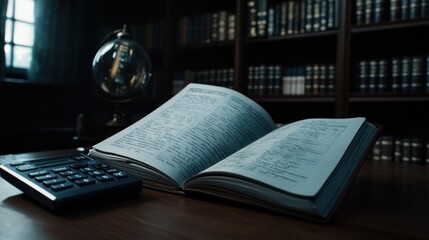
(297, 158)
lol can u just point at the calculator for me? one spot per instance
(70, 181)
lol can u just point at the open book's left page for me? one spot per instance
(198, 127)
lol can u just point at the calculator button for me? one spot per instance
(60, 169)
(68, 173)
(26, 167)
(38, 173)
(54, 181)
(87, 169)
(14, 164)
(120, 174)
(46, 177)
(111, 170)
(105, 178)
(61, 186)
(101, 166)
(96, 173)
(85, 181)
(76, 176)
(78, 165)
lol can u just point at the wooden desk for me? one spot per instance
(387, 201)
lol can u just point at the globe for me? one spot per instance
(121, 69)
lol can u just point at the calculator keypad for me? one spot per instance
(74, 175)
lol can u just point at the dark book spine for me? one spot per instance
(302, 16)
(331, 79)
(369, 11)
(414, 9)
(397, 154)
(270, 26)
(386, 148)
(308, 79)
(250, 80)
(417, 150)
(316, 15)
(252, 19)
(404, 7)
(323, 79)
(406, 149)
(373, 69)
(382, 76)
(316, 79)
(423, 8)
(427, 152)
(427, 74)
(277, 80)
(395, 10)
(262, 18)
(323, 15)
(360, 12)
(416, 74)
(309, 13)
(379, 10)
(362, 77)
(332, 14)
(405, 74)
(277, 19)
(396, 75)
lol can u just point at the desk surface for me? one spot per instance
(386, 201)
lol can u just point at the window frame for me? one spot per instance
(13, 71)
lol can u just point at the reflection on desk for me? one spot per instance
(387, 200)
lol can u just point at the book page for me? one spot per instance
(198, 127)
(297, 158)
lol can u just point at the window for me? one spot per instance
(19, 34)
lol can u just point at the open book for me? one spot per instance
(214, 140)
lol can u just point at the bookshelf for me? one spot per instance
(343, 34)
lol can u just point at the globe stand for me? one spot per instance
(119, 119)
(121, 70)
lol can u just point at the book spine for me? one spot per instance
(362, 78)
(406, 150)
(309, 13)
(405, 74)
(427, 152)
(397, 154)
(359, 12)
(394, 10)
(331, 79)
(382, 76)
(427, 74)
(373, 69)
(252, 19)
(416, 74)
(262, 18)
(404, 9)
(396, 75)
(386, 148)
(417, 150)
(413, 150)
(250, 80)
(369, 11)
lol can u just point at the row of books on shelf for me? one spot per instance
(275, 80)
(397, 75)
(219, 77)
(290, 17)
(149, 35)
(376, 11)
(206, 28)
(401, 149)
